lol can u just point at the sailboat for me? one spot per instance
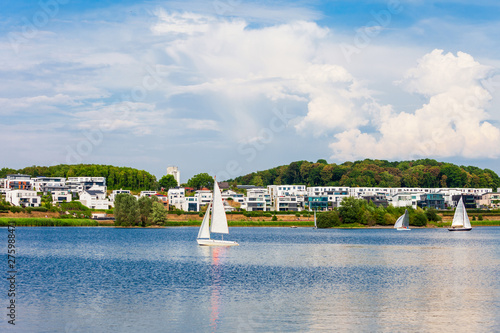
(315, 225)
(218, 224)
(403, 222)
(461, 220)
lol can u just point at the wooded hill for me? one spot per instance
(116, 177)
(375, 173)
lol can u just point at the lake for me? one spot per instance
(277, 280)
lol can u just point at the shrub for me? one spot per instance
(268, 214)
(473, 217)
(16, 209)
(419, 219)
(200, 214)
(297, 214)
(328, 219)
(432, 215)
(480, 217)
(275, 218)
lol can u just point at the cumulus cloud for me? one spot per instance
(454, 122)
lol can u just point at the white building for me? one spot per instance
(94, 199)
(80, 184)
(113, 194)
(191, 204)
(204, 197)
(18, 182)
(24, 198)
(405, 199)
(176, 197)
(61, 196)
(48, 184)
(174, 171)
(258, 199)
(335, 194)
(147, 193)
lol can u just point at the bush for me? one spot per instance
(419, 220)
(200, 214)
(275, 218)
(328, 219)
(432, 215)
(480, 217)
(268, 214)
(39, 209)
(297, 214)
(16, 209)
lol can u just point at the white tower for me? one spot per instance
(174, 171)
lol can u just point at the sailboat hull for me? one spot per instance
(401, 229)
(459, 229)
(215, 242)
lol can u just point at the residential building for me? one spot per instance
(61, 196)
(176, 197)
(113, 194)
(258, 199)
(18, 182)
(317, 202)
(377, 199)
(469, 200)
(147, 193)
(191, 204)
(49, 184)
(94, 199)
(80, 184)
(431, 200)
(204, 196)
(23, 198)
(405, 199)
(489, 201)
(289, 203)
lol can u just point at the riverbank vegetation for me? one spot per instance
(358, 211)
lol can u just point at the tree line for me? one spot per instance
(426, 173)
(360, 211)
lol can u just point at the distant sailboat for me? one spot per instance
(315, 225)
(218, 224)
(461, 220)
(403, 222)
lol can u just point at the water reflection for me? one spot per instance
(288, 280)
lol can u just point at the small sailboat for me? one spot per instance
(403, 222)
(315, 225)
(461, 220)
(218, 224)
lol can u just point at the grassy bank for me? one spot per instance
(47, 222)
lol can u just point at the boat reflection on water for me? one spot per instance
(214, 257)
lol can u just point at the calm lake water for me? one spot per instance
(277, 280)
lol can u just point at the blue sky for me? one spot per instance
(230, 87)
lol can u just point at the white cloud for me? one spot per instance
(454, 122)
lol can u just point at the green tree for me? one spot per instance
(145, 205)
(159, 213)
(201, 180)
(351, 211)
(126, 210)
(419, 219)
(328, 219)
(257, 181)
(167, 182)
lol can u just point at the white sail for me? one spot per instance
(466, 219)
(219, 220)
(403, 221)
(460, 216)
(204, 229)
